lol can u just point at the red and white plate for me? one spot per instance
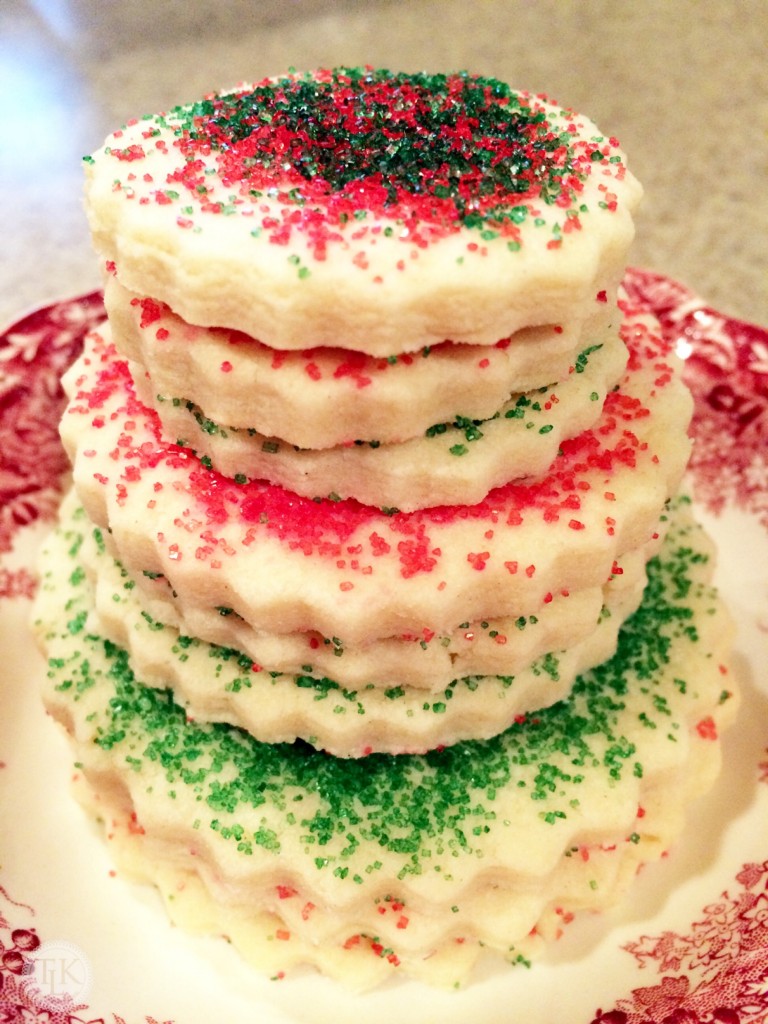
(80, 945)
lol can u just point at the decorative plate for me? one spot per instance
(80, 945)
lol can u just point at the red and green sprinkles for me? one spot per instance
(318, 153)
(420, 808)
(459, 434)
(346, 530)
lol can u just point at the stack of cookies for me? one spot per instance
(372, 612)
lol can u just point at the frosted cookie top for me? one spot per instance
(367, 209)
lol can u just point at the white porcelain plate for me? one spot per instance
(690, 946)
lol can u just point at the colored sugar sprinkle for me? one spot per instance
(324, 527)
(459, 145)
(433, 153)
(523, 406)
(464, 426)
(418, 807)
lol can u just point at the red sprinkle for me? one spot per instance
(707, 728)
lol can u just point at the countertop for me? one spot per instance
(683, 85)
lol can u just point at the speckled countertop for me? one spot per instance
(682, 83)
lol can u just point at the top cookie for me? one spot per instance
(365, 209)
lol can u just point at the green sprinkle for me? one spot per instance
(427, 809)
(77, 624)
